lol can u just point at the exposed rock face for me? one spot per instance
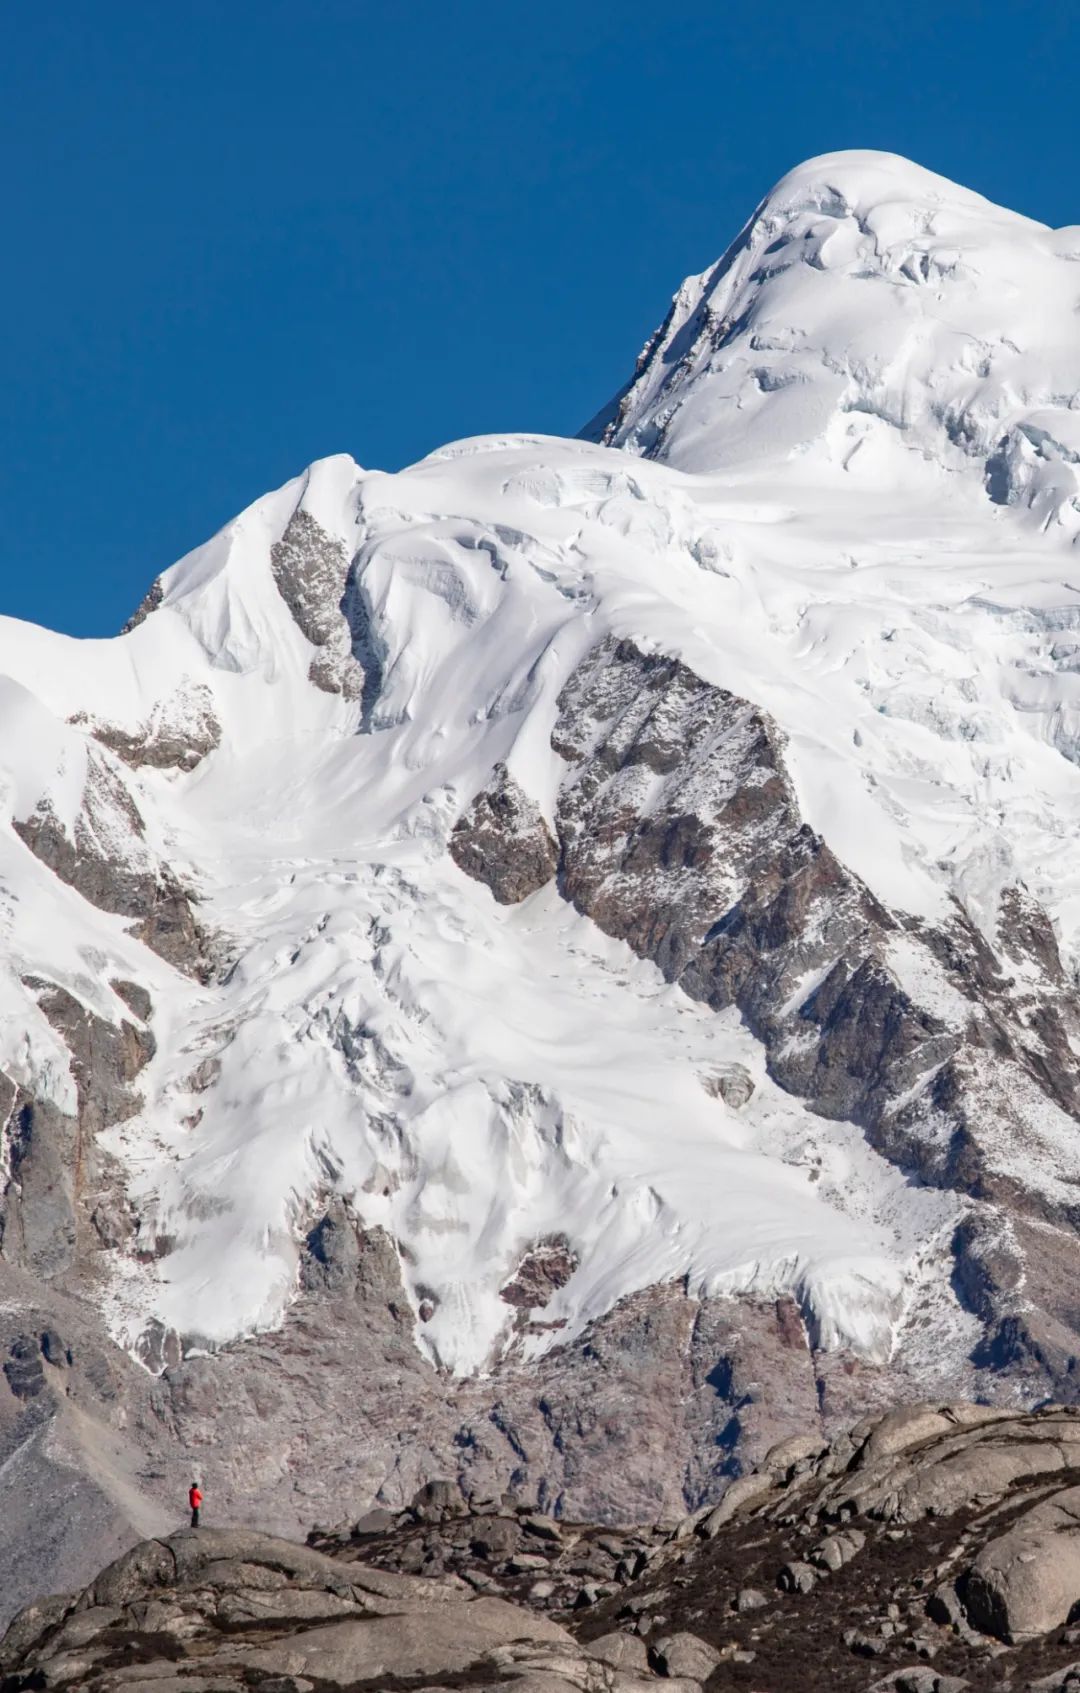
(182, 730)
(644, 1415)
(730, 1082)
(75, 1489)
(545, 1267)
(504, 841)
(37, 1219)
(311, 569)
(107, 859)
(62, 1198)
(23, 1369)
(679, 832)
(334, 1253)
(149, 603)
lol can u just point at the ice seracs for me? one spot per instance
(878, 325)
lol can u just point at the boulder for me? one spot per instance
(496, 1537)
(836, 1550)
(621, 1651)
(684, 1654)
(781, 1459)
(439, 1497)
(544, 1528)
(919, 1678)
(747, 1490)
(750, 1599)
(1027, 1581)
(796, 1577)
(376, 1521)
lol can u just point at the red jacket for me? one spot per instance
(194, 1498)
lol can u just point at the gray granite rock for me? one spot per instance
(310, 569)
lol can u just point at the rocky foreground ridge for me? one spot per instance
(927, 1551)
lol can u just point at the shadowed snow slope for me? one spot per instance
(849, 527)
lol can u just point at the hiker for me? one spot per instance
(194, 1500)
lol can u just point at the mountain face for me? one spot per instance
(568, 952)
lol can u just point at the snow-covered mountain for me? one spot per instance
(874, 327)
(581, 873)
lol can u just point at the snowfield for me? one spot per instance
(844, 487)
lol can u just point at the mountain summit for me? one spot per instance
(873, 325)
(570, 949)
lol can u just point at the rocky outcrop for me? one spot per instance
(1026, 1582)
(544, 1268)
(926, 1551)
(149, 603)
(732, 1083)
(311, 569)
(503, 840)
(180, 732)
(240, 1609)
(62, 1199)
(107, 859)
(502, 1545)
(931, 1548)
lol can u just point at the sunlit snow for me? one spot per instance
(858, 510)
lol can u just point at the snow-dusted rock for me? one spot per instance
(503, 839)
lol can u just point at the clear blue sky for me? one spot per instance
(241, 235)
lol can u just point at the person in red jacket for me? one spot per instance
(194, 1500)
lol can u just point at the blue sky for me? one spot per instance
(244, 234)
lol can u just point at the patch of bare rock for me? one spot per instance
(932, 1550)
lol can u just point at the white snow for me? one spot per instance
(858, 511)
